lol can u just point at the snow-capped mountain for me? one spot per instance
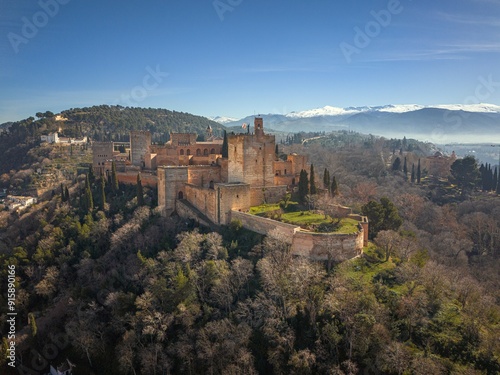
(403, 108)
(222, 119)
(444, 122)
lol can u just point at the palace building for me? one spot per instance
(197, 175)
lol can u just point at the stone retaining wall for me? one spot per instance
(317, 246)
(263, 225)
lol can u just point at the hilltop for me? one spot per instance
(100, 123)
(104, 121)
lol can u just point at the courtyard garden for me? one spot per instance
(313, 220)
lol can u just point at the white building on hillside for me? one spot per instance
(50, 138)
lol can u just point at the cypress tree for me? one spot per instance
(495, 179)
(490, 178)
(396, 166)
(114, 178)
(312, 183)
(326, 179)
(89, 200)
(486, 183)
(498, 183)
(334, 189)
(277, 151)
(103, 193)
(413, 173)
(303, 186)
(419, 173)
(66, 193)
(140, 193)
(405, 169)
(91, 175)
(225, 146)
(63, 197)
(482, 170)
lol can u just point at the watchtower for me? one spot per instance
(259, 127)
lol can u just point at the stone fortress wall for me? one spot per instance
(317, 246)
(197, 182)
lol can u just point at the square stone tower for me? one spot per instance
(251, 157)
(102, 154)
(140, 141)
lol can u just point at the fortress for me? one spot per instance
(216, 182)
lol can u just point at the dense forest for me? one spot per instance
(113, 123)
(102, 279)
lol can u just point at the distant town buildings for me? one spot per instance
(54, 138)
(50, 138)
(19, 203)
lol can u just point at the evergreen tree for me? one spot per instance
(482, 171)
(465, 174)
(405, 143)
(396, 166)
(63, 197)
(498, 183)
(115, 187)
(277, 151)
(66, 193)
(103, 193)
(490, 178)
(91, 175)
(419, 173)
(495, 179)
(303, 186)
(312, 183)
(88, 199)
(326, 179)
(334, 189)
(413, 173)
(382, 216)
(225, 146)
(405, 169)
(485, 178)
(140, 193)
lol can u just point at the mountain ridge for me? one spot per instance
(436, 123)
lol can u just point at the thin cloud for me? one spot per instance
(471, 20)
(424, 56)
(458, 51)
(274, 69)
(283, 69)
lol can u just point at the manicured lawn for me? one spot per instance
(306, 218)
(348, 226)
(256, 210)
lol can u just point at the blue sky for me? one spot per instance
(237, 57)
